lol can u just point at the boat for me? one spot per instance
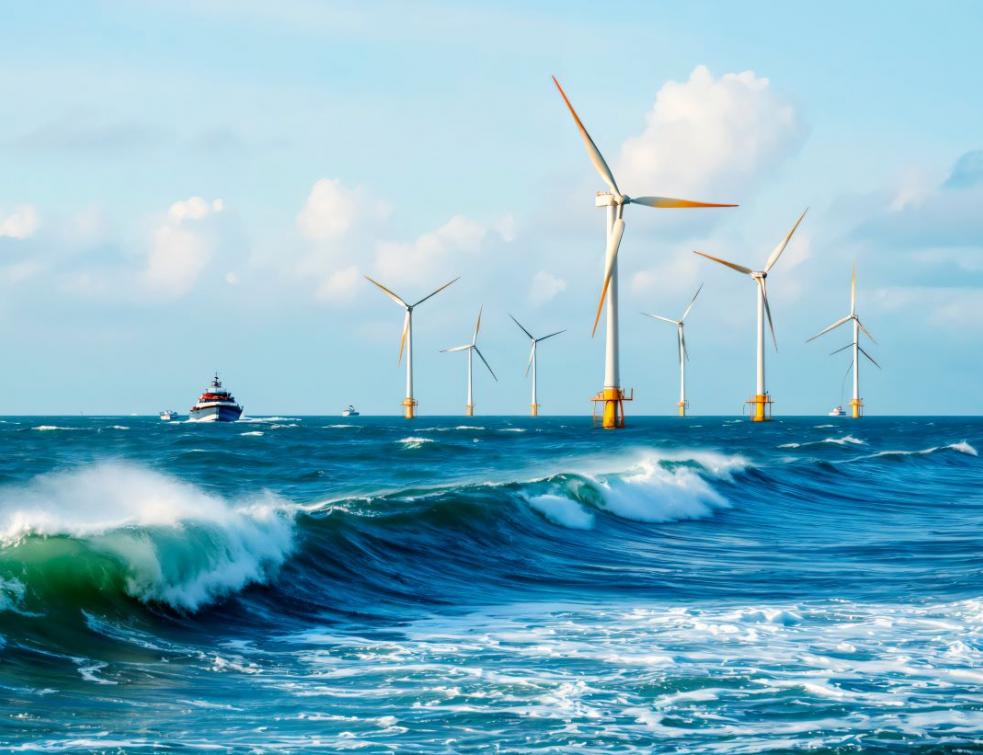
(168, 415)
(351, 411)
(215, 404)
(837, 411)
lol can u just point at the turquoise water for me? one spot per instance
(696, 585)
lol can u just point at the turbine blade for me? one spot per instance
(853, 291)
(691, 303)
(731, 265)
(387, 292)
(872, 360)
(437, 291)
(777, 251)
(402, 338)
(682, 342)
(477, 325)
(485, 361)
(592, 151)
(522, 328)
(660, 317)
(850, 367)
(672, 204)
(842, 348)
(532, 353)
(828, 328)
(610, 258)
(771, 325)
(550, 335)
(465, 347)
(866, 332)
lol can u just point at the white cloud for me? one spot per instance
(340, 287)
(545, 286)
(432, 253)
(180, 248)
(22, 223)
(332, 210)
(708, 138)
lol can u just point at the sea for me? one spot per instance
(325, 584)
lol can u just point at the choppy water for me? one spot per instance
(684, 585)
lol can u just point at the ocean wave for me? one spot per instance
(52, 428)
(961, 447)
(158, 539)
(845, 440)
(414, 441)
(252, 433)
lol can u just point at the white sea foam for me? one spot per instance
(563, 511)
(846, 440)
(651, 493)
(964, 448)
(52, 428)
(337, 427)
(511, 429)
(176, 543)
(469, 427)
(252, 433)
(414, 441)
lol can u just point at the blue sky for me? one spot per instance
(197, 186)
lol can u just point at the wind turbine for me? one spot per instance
(856, 403)
(472, 348)
(683, 354)
(761, 398)
(613, 396)
(406, 340)
(534, 406)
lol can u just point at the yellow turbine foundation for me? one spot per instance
(469, 410)
(533, 410)
(613, 407)
(682, 408)
(409, 404)
(856, 408)
(760, 407)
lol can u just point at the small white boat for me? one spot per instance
(168, 415)
(837, 411)
(351, 411)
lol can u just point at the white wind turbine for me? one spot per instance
(613, 396)
(534, 406)
(856, 402)
(681, 343)
(406, 340)
(472, 348)
(761, 398)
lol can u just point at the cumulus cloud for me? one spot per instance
(432, 253)
(22, 223)
(332, 210)
(544, 287)
(180, 248)
(710, 137)
(340, 286)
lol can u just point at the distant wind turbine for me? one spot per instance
(472, 348)
(761, 398)
(613, 395)
(856, 403)
(681, 343)
(406, 340)
(534, 406)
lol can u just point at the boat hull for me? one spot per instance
(220, 413)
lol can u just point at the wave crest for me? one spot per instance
(168, 541)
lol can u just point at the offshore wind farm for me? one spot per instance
(546, 510)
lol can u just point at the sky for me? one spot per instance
(197, 186)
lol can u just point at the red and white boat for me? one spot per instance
(215, 404)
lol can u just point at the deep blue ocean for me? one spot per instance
(448, 585)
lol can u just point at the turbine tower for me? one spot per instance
(406, 340)
(613, 396)
(472, 348)
(534, 406)
(856, 403)
(681, 343)
(762, 400)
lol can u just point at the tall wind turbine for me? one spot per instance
(762, 399)
(472, 349)
(856, 403)
(534, 406)
(613, 396)
(681, 343)
(406, 340)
